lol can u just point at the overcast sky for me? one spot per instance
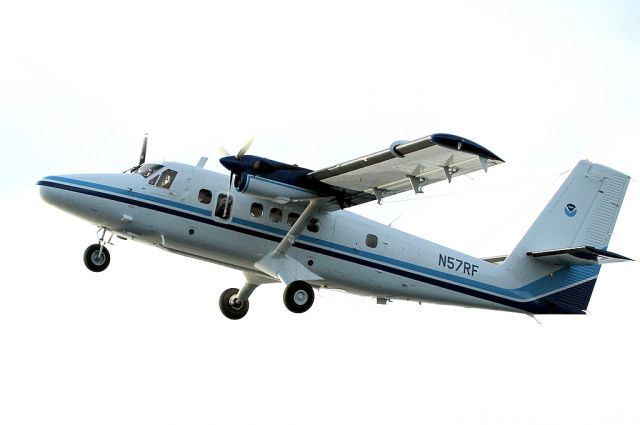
(541, 84)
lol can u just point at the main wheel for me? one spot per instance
(232, 308)
(95, 260)
(298, 296)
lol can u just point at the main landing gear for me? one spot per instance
(231, 306)
(298, 297)
(96, 256)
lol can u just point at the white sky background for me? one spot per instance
(318, 83)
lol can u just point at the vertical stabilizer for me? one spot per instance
(583, 212)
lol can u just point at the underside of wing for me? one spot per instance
(406, 165)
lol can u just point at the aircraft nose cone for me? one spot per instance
(50, 193)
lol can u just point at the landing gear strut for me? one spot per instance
(96, 256)
(298, 296)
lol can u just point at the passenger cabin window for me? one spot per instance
(204, 196)
(275, 215)
(371, 241)
(292, 218)
(256, 209)
(222, 209)
(166, 179)
(313, 225)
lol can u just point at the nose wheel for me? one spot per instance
(298, 296)
(97, 258)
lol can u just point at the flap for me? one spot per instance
(582, 255)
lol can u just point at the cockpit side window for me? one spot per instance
(146, 170)
(166, 179)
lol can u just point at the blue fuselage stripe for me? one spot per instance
(344, 253)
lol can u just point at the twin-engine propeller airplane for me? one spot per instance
(284, 223)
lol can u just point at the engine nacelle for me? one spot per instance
(262, 187)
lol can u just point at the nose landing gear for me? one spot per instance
(96, 256)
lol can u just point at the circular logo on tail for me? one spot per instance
(570, 210)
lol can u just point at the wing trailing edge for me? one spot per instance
(406, 166)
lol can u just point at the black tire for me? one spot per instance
(298, 296)
(95, 261)
(233, 311)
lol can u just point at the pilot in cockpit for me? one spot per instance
(166, 181)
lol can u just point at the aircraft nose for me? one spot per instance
(50, 193)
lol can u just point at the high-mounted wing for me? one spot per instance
(406, 165)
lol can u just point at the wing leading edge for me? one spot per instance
(406, 165)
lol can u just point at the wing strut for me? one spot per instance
(297, 228)
(278, 264)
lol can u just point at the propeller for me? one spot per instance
(226, 202)
(143, 155)
(243, 150)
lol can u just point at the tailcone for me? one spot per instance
(574, 300)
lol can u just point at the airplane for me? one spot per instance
(281, 223)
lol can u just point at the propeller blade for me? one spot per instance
(226, 203)
(245, 148)
(143, 154)
(223, 151)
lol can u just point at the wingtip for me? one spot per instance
(458, 143)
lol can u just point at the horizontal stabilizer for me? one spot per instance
(582, 255)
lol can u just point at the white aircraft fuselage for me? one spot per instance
(175, 220)
(335, 249)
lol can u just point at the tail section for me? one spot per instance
(563, 248)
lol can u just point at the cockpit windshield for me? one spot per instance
(146, 170)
